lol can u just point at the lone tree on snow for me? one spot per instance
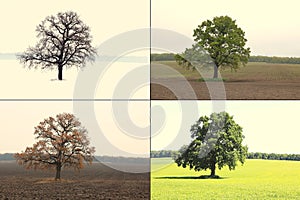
(65, 41)
(62, 143)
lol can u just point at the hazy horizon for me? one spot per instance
(107, 133)
(271, 27)
(20, 32)
(137, 58)
(268, 126)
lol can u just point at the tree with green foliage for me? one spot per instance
(217, 142)
(222, 40)
(191, 57)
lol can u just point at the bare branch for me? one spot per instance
(64, 41)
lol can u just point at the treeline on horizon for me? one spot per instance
(113, 159)
(251, 155)
(266, 59)
(173, 154)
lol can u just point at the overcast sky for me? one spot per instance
(268, 126)
(272, 27)
(110, 135)
(109, 20)
(106, 18)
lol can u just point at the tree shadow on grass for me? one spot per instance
(190, 177)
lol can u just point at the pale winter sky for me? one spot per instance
(268, 126)
(110, 134)
(106, 19)
(272, 27)
(109, 21)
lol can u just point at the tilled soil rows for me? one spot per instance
(94, 182)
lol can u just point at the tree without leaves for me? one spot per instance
(217, 142)
(65, 41)
(62, 143)
(222, 40)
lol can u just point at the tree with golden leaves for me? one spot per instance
(62, 143)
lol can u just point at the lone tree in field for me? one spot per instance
(65, 41)
(217, 142)
(62, 143)
(222, 40)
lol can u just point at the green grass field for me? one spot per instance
(256, 179)
(252, 71)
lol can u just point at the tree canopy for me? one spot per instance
(65, 41)
(62, 143)
(222, 40)
(216, 142)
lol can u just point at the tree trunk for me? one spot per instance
(60, 69)
(213, 170)
(58, 170)
(215, 71)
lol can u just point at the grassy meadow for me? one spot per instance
(253, 71)
(256, 179)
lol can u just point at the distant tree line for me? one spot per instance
(273, 156)
(163, 154)
(251, 155)
(7, 56)
(274, 59)
(267, 59)
(121, 160)
(7, 156)
(111, 159)
(173, 154)
(162, 57)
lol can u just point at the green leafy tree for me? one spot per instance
(222, 40)
(217, 142)
(191, 57)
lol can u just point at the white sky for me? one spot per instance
(272, 27)
(268, 126)
(106, 18)
(107, 134)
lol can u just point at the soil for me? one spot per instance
(234, 90)
(96, 181)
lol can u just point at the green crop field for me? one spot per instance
(256, 179)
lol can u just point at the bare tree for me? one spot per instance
(62, 143)
(65, 41)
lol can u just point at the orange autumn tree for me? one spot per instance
(62, 143)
